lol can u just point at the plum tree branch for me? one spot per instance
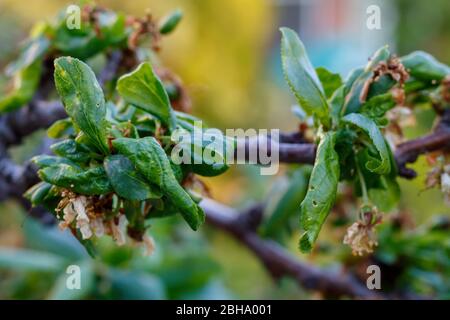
(15, 179)
(279, 262)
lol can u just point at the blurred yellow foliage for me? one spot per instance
(217, 50)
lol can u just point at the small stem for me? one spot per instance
(363, 184)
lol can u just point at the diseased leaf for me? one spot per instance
(206, 155)
(126, 181)
(86, 42)
(83, 99)
(301, 76)
(93, 181)
(151, 160)
(337, 100)
(71, 150)
(353, 102)
(321, 193)
(124, 130)
(377, 107)
(381, 165)
(38, 192)
(330, 81)
(383, 190)
(43, 161)
(169, 23)
(424, 66)
(143, 89)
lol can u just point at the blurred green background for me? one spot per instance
(227, 53)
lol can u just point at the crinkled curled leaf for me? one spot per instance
(376, 107)
(38, 192)
(381, 165)
(383, 190)
(206, 152)
(43, 161)
(301, 76)
(83, 99)
(126, 181)
(353, 102)
(71, 150)
(143, 89)
(424, 66)
(93, 181)
(321, 193)
(151, 160)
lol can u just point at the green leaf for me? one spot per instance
(24, 87)
(381, 165)
(151, 160)
(170, 22)
(37, 194)
(126, 181)
(29, 260)
(59, 128)
(321, 191)
(353, 102)
(71, 150)
(110, 31)
(383, 190)
(423, 66)
(143, 89)
(207, 155)
(93, 181)
(376, 107)
(337, 100)
(301, 76)
(330, 81)
(83, 99)
(43, 161)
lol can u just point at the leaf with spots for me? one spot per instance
(126, 181)
(152, 162)
(83, 99)
(321, 191)
(93, 181)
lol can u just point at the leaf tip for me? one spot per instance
(305, 244)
